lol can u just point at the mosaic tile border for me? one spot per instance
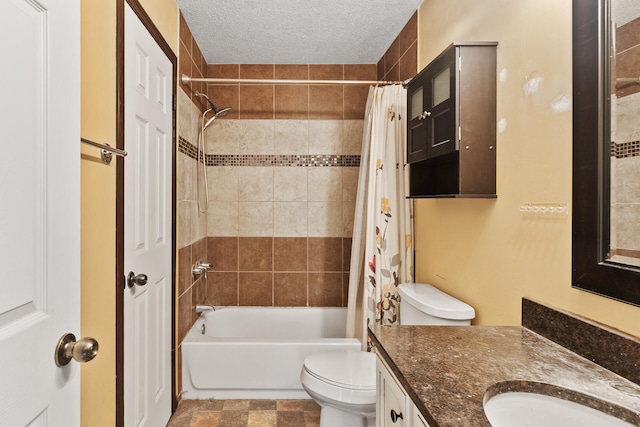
(271, 160)
(621, 150)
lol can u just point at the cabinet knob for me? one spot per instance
(424, 115)
(396, 416)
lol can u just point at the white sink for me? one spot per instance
(518, 409)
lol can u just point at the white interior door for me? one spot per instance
(39, 210)
(148, 240)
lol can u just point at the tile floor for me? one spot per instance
(246, 413)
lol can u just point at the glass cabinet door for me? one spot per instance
(417, 126)
(441, 107)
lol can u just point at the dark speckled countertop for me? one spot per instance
(447, 370)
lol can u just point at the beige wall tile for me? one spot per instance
(184, 116)
(184, 224)
(255, 184)
(290, 184)
(626, 179)
(198, 223)
(348, 213)
(195, 124)
(290, 219)
(256, 136)
(352, 132)
(628, 226)
(350, 183)
(223, 137)
(222, 219)
(186, 177)
(255, 219)
(325, 136)
(325, 219)
(325, 184)
(291, 136)
(223, 183)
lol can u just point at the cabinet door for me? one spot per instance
(417, 125)
(391, 400)
(418, 421)
(440, 106)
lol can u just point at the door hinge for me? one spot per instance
(175, 103)
(459, 133)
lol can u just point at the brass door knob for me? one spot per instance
(81, 351)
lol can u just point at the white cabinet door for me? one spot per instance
(418, 421)
(392, 409)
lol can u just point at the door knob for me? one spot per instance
(133, 279)
(424, 115)
(81, 351)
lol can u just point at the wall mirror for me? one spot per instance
(606, 148)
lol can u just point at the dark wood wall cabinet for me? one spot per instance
(451, 131)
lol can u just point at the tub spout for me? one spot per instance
(204, 308)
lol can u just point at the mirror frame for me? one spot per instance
(591, 271)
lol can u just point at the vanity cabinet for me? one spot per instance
(451, 127)
(394, 407)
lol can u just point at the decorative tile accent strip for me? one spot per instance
(271, 160)
(295, 160)
(605, 346)
(620, 150)
(185, 147)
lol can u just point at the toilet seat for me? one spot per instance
(354, 370)
(342, 377)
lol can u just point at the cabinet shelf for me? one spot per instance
(451, 131)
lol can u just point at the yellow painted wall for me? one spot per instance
(486, 252)
(98, 192)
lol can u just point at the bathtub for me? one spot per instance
(257, 352)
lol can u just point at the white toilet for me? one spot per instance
(423, 304)
(343, 382)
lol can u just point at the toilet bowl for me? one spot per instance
(343, 383)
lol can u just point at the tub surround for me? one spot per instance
(481, 361)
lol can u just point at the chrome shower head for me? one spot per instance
(214, 108)
(202, 95)
(220, 113)
(223, 112)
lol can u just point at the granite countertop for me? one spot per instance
(447, 370)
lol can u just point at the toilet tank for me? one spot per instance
(423, 304)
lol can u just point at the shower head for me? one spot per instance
(202, 95)
(217, 113)
(223, 112)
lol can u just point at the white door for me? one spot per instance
(39, 210)
(148, 240)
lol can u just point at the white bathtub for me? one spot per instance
(257, 352)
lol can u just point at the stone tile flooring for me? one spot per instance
(246, 413)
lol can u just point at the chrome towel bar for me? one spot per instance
(106, 151)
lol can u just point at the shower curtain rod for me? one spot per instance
(186, 80)
(628, 80)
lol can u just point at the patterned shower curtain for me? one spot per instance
(382, 246)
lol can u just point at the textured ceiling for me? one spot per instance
(624, 11)
(296, 31)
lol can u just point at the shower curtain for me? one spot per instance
(382, 246)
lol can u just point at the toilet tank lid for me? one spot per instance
(433, 301)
